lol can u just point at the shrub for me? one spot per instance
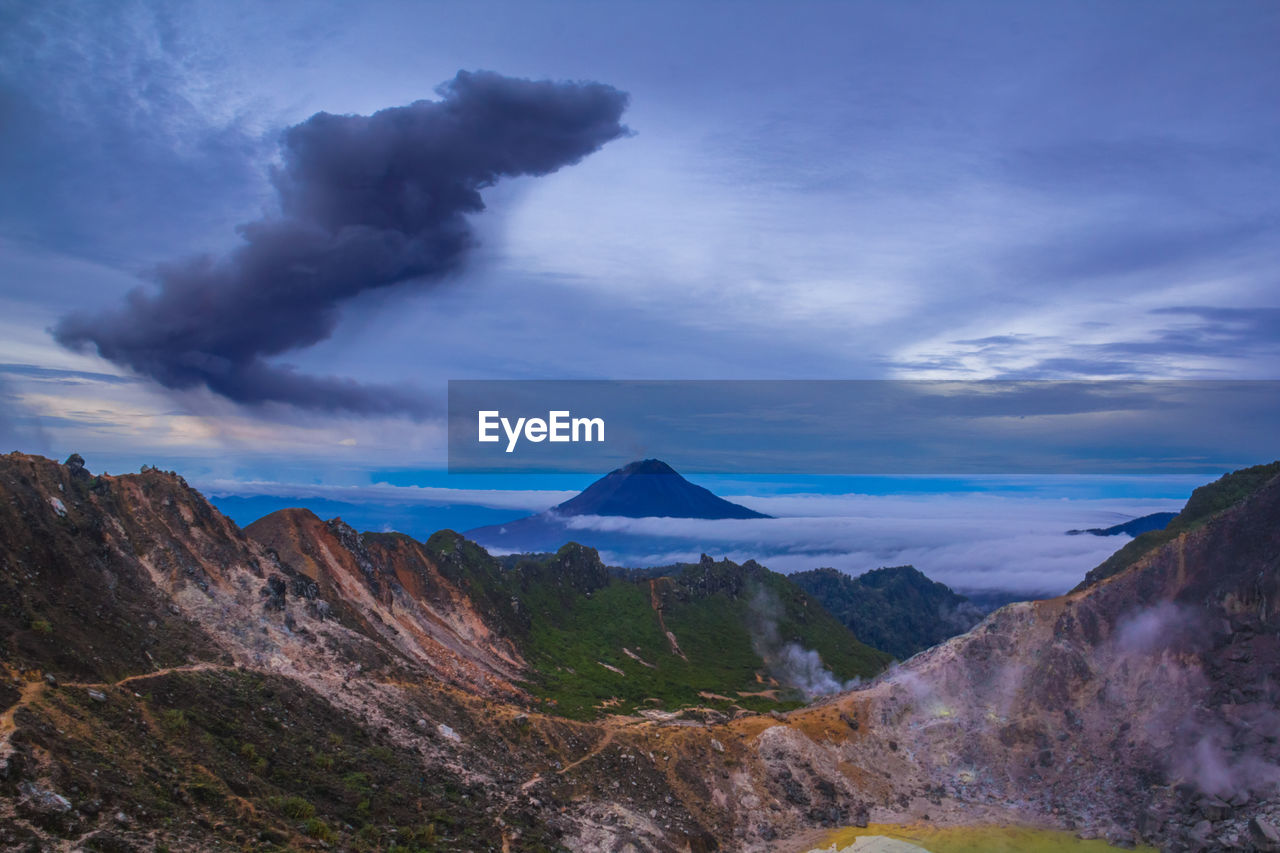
(318, 829)
(297, 808)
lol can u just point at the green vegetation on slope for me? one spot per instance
(1204, 503)
(896, 609)
(729, 622)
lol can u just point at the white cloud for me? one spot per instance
(973, 542)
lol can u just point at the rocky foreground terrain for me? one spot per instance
(172, 682)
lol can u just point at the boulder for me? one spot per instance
(75, 466)
(1213, 809)
(1264, 833)
(41, 801)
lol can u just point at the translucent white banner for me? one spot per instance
(864, 426)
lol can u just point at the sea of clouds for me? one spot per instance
(971, 542)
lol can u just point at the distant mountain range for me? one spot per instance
(648, 488)
(1132, 527)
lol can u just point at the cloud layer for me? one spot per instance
(972, 543)
(366, 202)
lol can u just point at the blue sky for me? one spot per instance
(809, 190)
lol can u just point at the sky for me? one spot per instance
(200, 267)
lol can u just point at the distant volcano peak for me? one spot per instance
(645, 466)
(648, 488)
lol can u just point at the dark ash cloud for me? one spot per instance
(367, 202)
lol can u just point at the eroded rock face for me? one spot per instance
(1141, 708)
(389, 589)
(1144, 705)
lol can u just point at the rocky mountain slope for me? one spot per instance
(565, 630)
(1144, 705)
(173, 682)
(1205, 503)
(404, 594)
(169, 682)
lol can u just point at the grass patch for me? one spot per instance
(174, 721)
(358, 783)
(583, 619)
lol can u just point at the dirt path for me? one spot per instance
(142, 676)
(32, 690)
(592, 753)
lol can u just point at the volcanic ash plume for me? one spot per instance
(366, 202)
